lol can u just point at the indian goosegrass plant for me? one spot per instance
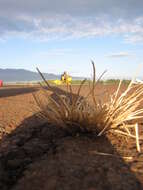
(75, 114)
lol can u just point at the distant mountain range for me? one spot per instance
(22, 75)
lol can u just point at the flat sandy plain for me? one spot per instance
(35, 156)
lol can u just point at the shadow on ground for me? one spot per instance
(41, 156)
(38, 156)
(8, 91)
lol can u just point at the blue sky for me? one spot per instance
(65, 37)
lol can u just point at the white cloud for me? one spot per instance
(135, 38)
(118, 55)
(48, 20)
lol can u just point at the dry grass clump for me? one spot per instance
(73, 112)
(69, 111)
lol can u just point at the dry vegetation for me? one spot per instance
(76, 115)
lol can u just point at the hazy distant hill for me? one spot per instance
(18, 75)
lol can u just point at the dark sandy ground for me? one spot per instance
(35, 155)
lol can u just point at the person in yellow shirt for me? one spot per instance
(66, 78)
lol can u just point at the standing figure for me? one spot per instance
(64, 76)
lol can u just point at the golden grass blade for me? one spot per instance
(111, 155)
(137, 138)
(94, 82)
(80, 87)
(126, 129)
(125, 134)
(77, 97)
(101, 76)
(117, 92)
(46, 82)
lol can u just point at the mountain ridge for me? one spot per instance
(24, 75)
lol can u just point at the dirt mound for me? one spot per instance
(46, 157)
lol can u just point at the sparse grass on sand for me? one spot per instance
(121, 114)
